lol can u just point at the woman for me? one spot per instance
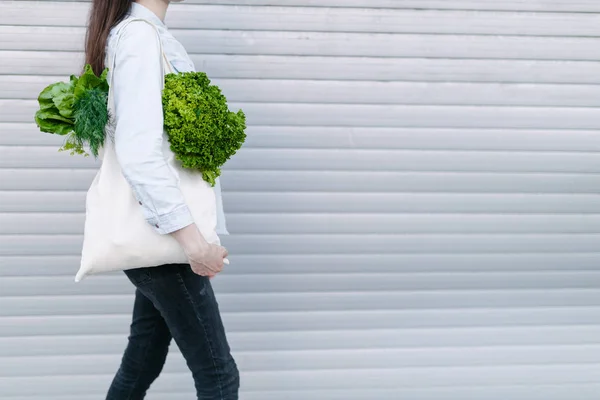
(171, 301)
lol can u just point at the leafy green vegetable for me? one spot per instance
(77, 109)
(49, 117)
(202, 132)
(91, 118)
(88, 80)
(73, 145)
(53, 123)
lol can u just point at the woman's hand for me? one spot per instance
(208, 261)
(205, 259)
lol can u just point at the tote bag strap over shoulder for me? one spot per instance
(166, 65)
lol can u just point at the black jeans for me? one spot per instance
(173, 302)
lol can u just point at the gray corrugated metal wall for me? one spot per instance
(430, 174)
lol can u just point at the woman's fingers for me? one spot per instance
(199, 271)
(205, 272)
(225, 252)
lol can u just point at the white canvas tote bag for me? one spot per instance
(116, 235)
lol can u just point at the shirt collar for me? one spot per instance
(139, 11)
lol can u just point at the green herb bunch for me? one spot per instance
(77, 109)
(202, 132)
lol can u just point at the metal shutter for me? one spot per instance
(416, 214)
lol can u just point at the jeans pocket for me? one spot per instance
(139, 276)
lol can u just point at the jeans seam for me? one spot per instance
(199, 318)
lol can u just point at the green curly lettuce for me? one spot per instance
(202, 132)
(78, 109)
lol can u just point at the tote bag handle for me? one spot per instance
(166, 65)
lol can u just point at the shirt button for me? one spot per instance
(157, 226)
(140, 203)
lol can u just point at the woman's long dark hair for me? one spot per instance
(104, 15)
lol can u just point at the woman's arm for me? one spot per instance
(137, 88)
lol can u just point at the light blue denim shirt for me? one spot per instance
(137, 86)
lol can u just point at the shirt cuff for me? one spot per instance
(173, 221)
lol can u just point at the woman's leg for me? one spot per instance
(189, 307)
(145, 353)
